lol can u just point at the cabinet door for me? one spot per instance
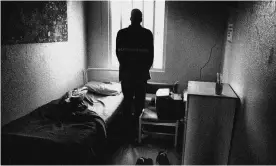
(208, 131)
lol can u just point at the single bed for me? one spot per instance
(52, 134)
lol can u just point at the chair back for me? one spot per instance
(152, 87)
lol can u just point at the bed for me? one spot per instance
(56, 133)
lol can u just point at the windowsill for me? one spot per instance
(157, 70)
(117, 69)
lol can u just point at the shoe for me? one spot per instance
(162, 158)
(144, 161)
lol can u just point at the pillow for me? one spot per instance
(104, 88)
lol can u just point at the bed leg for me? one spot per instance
(176, 133)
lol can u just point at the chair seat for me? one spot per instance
(150, 115)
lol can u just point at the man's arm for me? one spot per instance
(119, 46)
(151, 51)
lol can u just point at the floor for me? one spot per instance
(124, 150)
(127, 153)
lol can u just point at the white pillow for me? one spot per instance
(104, 88)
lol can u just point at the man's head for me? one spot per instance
(136, 17)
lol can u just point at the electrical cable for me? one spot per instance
(207, 61)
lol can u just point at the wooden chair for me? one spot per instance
(149, 115)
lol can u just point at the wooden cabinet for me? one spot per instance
(209, 124)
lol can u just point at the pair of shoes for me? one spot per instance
(162, 158)
(144, 161)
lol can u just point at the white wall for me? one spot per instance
(250, 63)
(34, 74)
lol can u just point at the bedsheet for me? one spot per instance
(52, 135)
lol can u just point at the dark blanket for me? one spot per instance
(51, 134)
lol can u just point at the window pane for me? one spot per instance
(138, 4)
(126, 11)
(148, 15)
(159, 34)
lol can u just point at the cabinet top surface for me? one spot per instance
(208, 89)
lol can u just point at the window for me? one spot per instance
(153, 19)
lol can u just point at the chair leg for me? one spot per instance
(140, 131)
(176, 134)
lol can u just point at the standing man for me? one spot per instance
(134, 50)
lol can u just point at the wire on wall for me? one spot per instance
(207, 61)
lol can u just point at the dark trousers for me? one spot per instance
(134, 92)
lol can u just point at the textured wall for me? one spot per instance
(34, 22)
(191, 29)
(34, 74)
(251, 62)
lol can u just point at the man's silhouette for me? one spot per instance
(134, 49)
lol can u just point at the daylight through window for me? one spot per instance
(153, 19)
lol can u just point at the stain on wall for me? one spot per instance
(191, 30)
(35, 74)
(251, 71)
(33, 22)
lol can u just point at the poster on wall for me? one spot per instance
(33, 22)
